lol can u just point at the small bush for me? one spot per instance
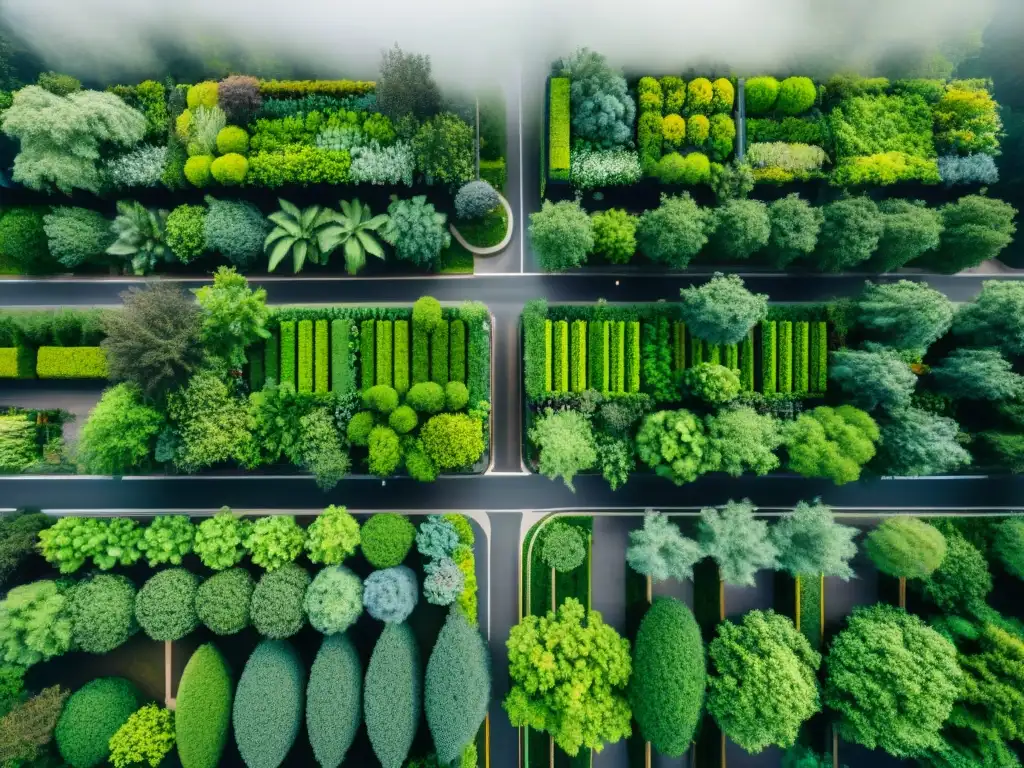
(796, 95)
(693, 169)
(267, 713)
(564, 548)
(444, 581)
(222, 601)
(724, 95)
(186, 232)
(165, 606)
(334, 600)
(391, 695)
(146, 737)
(232, 139)
(380, 398)
(385, 451)
(92, 715)
(475, 199)
(332, 537)
(403, 419)
(202, 95)
(698, 128)
(426, 313)
(23, 238)
(456, 395)
(103, 613)
(426, 397)
(391, 595)
(334, 700)
(277, 602)
(673, 130)
(202, 714)
(1009, 546)
(359, 427)
(220, 540)
(713, 383)
(453, 440)
(197, 170)
(699, 95)
(230, 170)
(761, 94)
(275, 541)
(167, 539)
(237, 230)
(386, 539)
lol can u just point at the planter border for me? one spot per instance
(492, 249)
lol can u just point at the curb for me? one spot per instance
(493, 249)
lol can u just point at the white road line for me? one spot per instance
(522, 228)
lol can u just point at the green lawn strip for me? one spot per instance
(487, 231)
(456, 260)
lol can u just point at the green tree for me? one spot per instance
(565, 440)
(763, 684)
(77, 235)
(334, 600)
(904, 315)
(562, 235)
(153, 341)
(892, 681)
(212, 425)
(563, 548)
(918, 443)
(667, 687)
(165, 606)
(674, 232)
(267, 713)
(443, 147)
(673, 444)
(603, 111)
(660, 552)
(873, 378)
(334, 700)
(416, 230)
(102, 610)
(991, 320)
(906, 547)
(91, 716)
(234, 316)
(453, 440)
(741, 228)
(737, 541)
(795, 226)
(202, 718)
(850, 233)
(577, 697)
(741, 439)
(831, 442)
(614, 235)
(975, 229)
(18, 539)
(35, 623)
(119, 434)
(962, 581)
(405, 86)
(712, 383)
(332, 537)
(387, 538)
(722, 310)
(978, 374)
(909, 230)
(222, 601)
(1009, 545)
(146, 737)
(810, 541)
(392, 694)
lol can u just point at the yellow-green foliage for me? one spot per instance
(699, 94)
(697, 130)
(202, 95)
(183, 125)
(673, 130)
(724, 95)
(71, 363)
(288, 89)
(558, 152)
(197, 170)
(229, 170)
(231, 138)
(203, 710)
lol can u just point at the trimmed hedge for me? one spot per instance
(618, 382)
(558, 127)
(696, 351)
(366, 355)
(801, 368)
(595, 329)
(633, 356)
(71, 363)
(277, 609)
(392, 693)
(321, 353)
(420, 354)
(16, 363)
(549, 381)
(667, 686)
(269, 704)
(401, 335)
(91, 716)
(439, 354)
(769, 340)
(343, 368)
(222, 601)
(288, 352)
(561, 360)
(732, 357)
(385, 349)
(785, 356)
(272, 359)
(747, 363)
(202, 714)
(457, 357)
(713, 353)
(679, 346)
(334, 700)
(165, 606)
(821, 355)
(386, 539)
(102, 612)
(579, 355)
(257, 376)
(305, 356)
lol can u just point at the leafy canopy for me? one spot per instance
(722, 310)
(660, 552)
(810, 541)
(737, 542)
(906, 547)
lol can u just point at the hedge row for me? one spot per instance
(257, 374)
(384, 352)
(819, 357)
(305, 356)
(457, 355)
(597, 356)
(268, 706)
(478, 351)
(272, 358)
(618, 382)
(747, 363)
(579, 356)
(769, 342)
(801, 369)
(420, 355)
(366, 354)
(732, 357)
(558, 153)
(439, 354)
(679, 346)
(561, 357)
(549, 380)
(288, 352)
(343, 365)
(712, 353)
(322, 354)
(633, 356)
(401, 356)
(53, 363)
(203, 709)
(785, 356)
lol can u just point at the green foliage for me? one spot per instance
(167, 539)
(146, 737)
(565, 440)
(742, 227)
(796, 95)
(691, 169)
(444, 581)
(456, 395)
(1009, 546)
(232, 139)
(332, 537)
(563, 547)
(740, 439)
(385, 451)
(453, 440)
(380, 398)
(58, 83)
(354, 228)
(268, 705)
(426, 313)
(18, 532)
(579, 696)
(297, 232)
(673, 444)
(437, 537)
(558, 129)
(71, 363)
(850, 233)
(35, 623)
(967, 121)
(712, 383)
(405, 86)
(197, 170)
(831, 442)
(186, 235)
(614, 235)
(722, 310)
(390, 595)
(27, 730)
(978, 374)
(919, 443)
(764, 684)
(69, 542)
(220, 540)
(386, 539)
(990, 320)
(235, 229)
(795, 226)
(961, 583)
(810, 541)
(737, 542)
(874, 378)
(222, 601)
(275, 541)
(392, 695)
(659, 551)
(603, 111)
(60, 136)
(359, 428)
(909, 230)
(102, 610)
(905, 315)
(975, 229)
(906, 547)
(761, 94)
(277, 602)
(562, 234)
(234, 316)
(457, 687)
(202, 716)
(18, 449)
(667, 687)
(334, 600)
(443, 147)
(334, 700)
(416, 230)
(165, 606)
(892, 681)
(23, 239)
(76, 235)
(92, 715)
(140, 236)
(426, 397)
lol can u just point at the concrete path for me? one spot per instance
(504, 611)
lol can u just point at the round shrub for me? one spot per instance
(457, 687)
(563, 547)
(673, 130)
(962, 582)
(36, 623)
(453, 440)
(426, 397)
(334, 700)
(165, 606)
(1009, 546)
(77, 235)
(232, 140)
(713, 383)
(197, 170)
(202, 713)
(276, 609)
(796, 95)
(392, 693)
(239, 96)
(426, 313)
(387, 538)
(237, 230)
(697, 130)
(91, 716)
(268, 704)
(167, 539)
(403, 419)
(724, 95)
(444, 581)
(761, 94)
(419, 466)
(667, 686)
(391, 594)
(230, 170)
(906, 547)
(183, 125)
(456, 395)
(103, 613)
(385, 451)
(222, 601)
(380, 398)
(275, 541)
(202, 95)
(437, 537)
(23, 238)
(186, 232)
(332, 537)
(691, 170)
(220, 540)
(475, 199)
(699, 94)
(146, 737)
(334, 600)
(358, 429)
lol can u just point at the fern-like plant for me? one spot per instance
(206, 123)
(141, 236)
(297, 232)
(416, 230)
(354, 228)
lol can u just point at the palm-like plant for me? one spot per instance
(354, 227)
(141, 236)
(297, 233)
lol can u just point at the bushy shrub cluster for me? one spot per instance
(92, 715)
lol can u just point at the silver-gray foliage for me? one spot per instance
(142, 167)
(475, 199)
(973, 169)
